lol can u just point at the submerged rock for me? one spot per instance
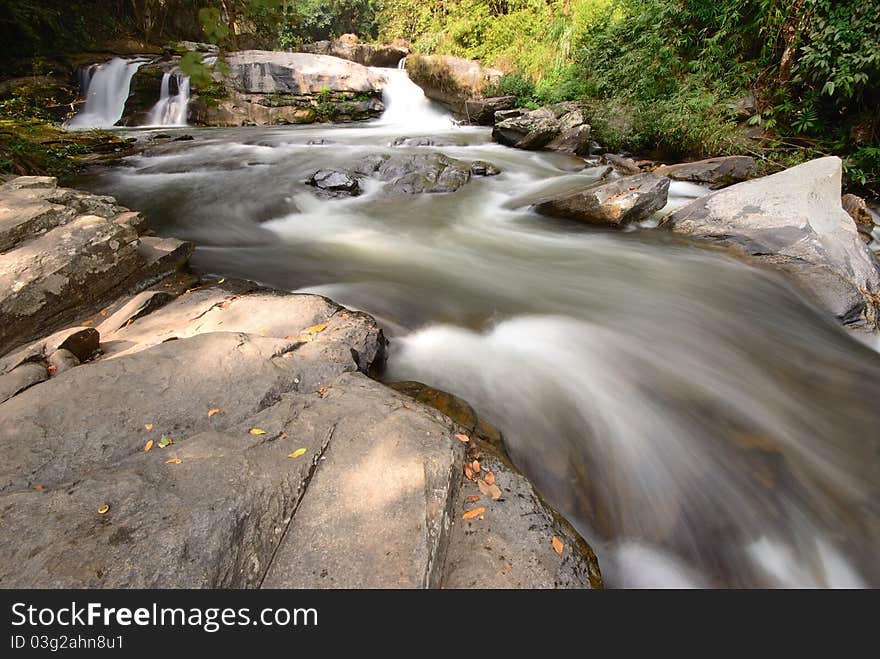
(793, 221)
(335, 183)
(716, 171)
(626, 200)
(416, 173)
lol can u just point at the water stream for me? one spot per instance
(696, 418)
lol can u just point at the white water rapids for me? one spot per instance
(696, 418)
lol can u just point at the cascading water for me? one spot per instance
(695, 417)
(173, 104)
(406, 106)
(106, 89)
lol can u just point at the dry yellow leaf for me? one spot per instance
(475, 512)
(468, 473)
(148, 426)
(558, 545)
(86, 323)
(297, 453)
(315, 329)
(463, 438)
(257, 431)
(148, 445)
(490, 477)
(495, 492)
(173, 461)
(221, 281)
(484, 487)
(103, 509)
(39, 488)
(211, 413)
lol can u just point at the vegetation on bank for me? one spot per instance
(683, 78)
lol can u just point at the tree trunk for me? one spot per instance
(791, 30)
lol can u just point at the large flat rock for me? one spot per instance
(793, 221)
(287, 467)
(267, 72)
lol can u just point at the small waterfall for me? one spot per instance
(106, 89)
(406, 106)
(172, 108)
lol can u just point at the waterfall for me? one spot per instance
(106, 89)
(172, 108)
(406, 106)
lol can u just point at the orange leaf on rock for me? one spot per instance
(297, 453)
(257, 431)
(148, 426)
(505, 569)
(475, 512)
(104, 509)
(173, 461)
(468, 473)
(211, 413)
(39, 488)
(473, 498)
(148, 445)
(489, 477)
(463, 438)
(558, 545)
(51, 369)
(475, 465)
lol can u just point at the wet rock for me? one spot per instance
(502, 115)
(183, 138)
(268, 72)
(482, 111)
(616, 203)
(560, 127)
(857, 209)
(335, 183)
(793, 221)
(62, 360)
(716, 171)
(483, 168)
(416, 173)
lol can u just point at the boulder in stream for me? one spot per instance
(414, 173)
(793, 221)
(335, 183)
(560, 127)
(616, 203)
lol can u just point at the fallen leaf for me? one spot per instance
(473, 498)
(165, 441)
(505, 569)
(315, 329)
(104, 313)
(323, 391)
(39, 488)
(463, 438)
(211, 413)
(468, 473)
(558, 545)
(51, 369)
(173, 461)
(297, 453)
(489, 490)
(86, 323)
(148, 426)
(148, 445)
(475, 465)
(103, 509)
(283, 435)
(257, 431)
(221, 281)
(475, 512)
(489, 477)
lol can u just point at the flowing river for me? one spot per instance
(698, 421)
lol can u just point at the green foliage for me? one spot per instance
(514, 84)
